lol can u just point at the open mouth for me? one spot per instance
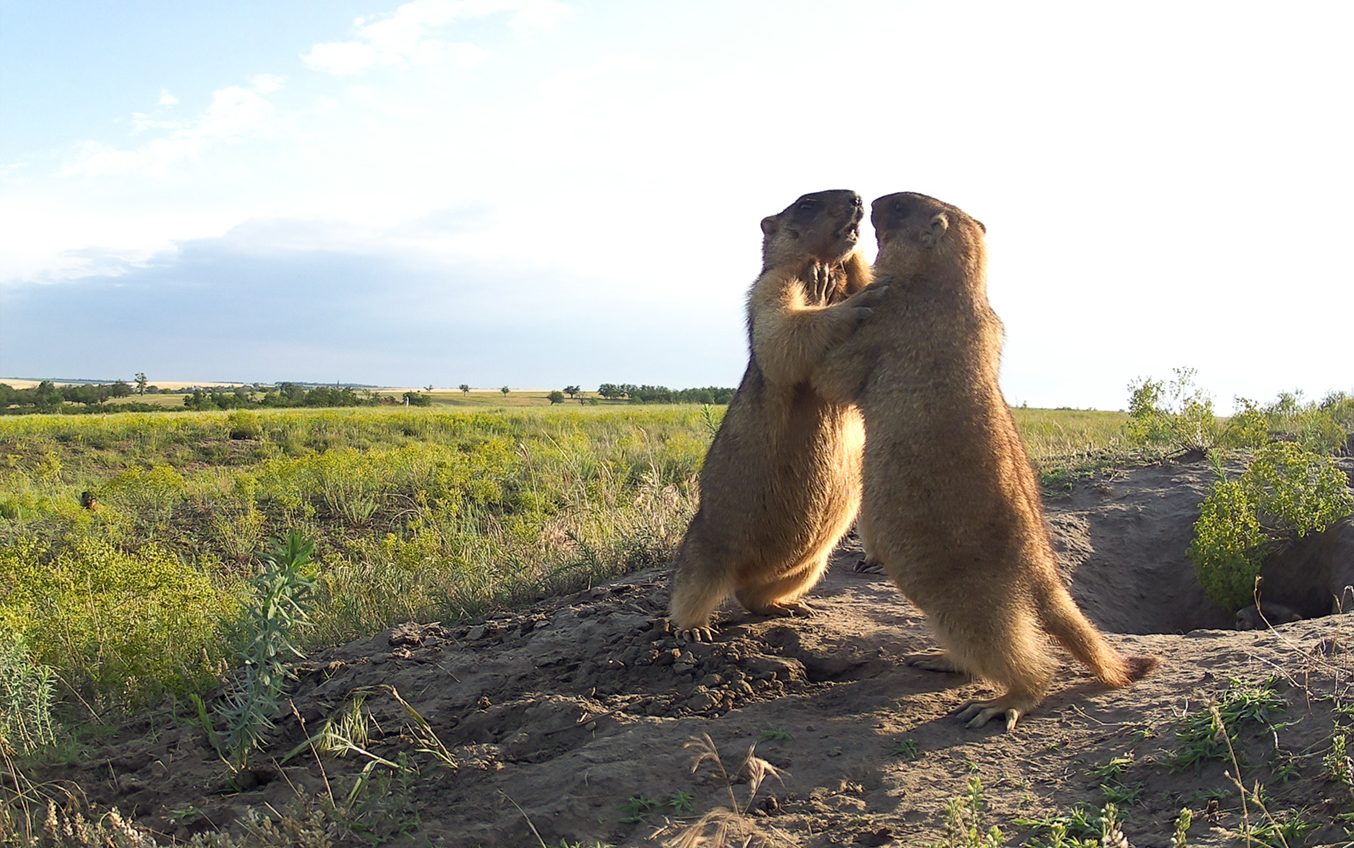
(851, 232)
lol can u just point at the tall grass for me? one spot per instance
(416, 513)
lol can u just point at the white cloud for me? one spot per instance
(167, 99)
(236, 113)
(412, 34)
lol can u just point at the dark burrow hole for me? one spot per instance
(1309, 578)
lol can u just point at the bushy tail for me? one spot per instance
(1065, 622)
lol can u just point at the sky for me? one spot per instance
(537, 193)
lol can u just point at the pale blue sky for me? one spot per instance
(539, 192)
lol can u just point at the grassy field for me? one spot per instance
(428, 514)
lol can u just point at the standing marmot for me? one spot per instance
(781, 483)
(951, 505)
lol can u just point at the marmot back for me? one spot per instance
(951, 504)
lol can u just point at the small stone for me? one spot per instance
(475, 633)
(406, 635)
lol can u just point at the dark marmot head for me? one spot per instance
(1267, 614)
(823, 226)
(914, 231)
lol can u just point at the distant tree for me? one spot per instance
(120, 389)
(417, 399)
(465, 388)
(47, 396)
(555, 397)
(608, 391)
(572, 391)
(505, 390)
(141, 382)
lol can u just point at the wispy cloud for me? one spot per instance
(415, 34)
(236, 113)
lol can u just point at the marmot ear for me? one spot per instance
(940, 222)
(769, 225)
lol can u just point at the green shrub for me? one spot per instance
(1321, 427)
(1286, 493)
(242, 424)
(265, 639)
(26, 697)
(1247, 428)
(125, 627)
(1175, 415)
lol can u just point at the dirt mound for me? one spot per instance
(570, 717)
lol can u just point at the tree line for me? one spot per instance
(49, 397)
(662, 394)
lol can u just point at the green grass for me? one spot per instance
(423, 513)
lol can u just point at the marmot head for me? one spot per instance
(1265, 615)
(822, 226)
(914, 230)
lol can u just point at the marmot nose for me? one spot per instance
(856, 201)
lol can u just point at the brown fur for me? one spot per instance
(781, 483)
(951, 505)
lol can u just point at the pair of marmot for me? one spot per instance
(951, 506)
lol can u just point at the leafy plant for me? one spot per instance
(905, 747)
(242, 424)
(1247, 428)
(1179, 838)
(1286, 493)
(265, 638)
(1176, 414)
(1339, 761)
(26, 696)
(638, 806)
(964, 821)
(1210, 732)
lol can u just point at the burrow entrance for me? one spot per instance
(1123, 540)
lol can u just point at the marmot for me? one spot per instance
(781, 482)
(1265, 615)
(951, 505)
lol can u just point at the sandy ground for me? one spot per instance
(556, 716)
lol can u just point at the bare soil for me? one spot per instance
(556, 716)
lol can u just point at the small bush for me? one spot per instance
(1247, 428)
(1175, 415)
(26, 697)
(244, 425)
(1286, 493)
(124, 627)
(265, 640)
